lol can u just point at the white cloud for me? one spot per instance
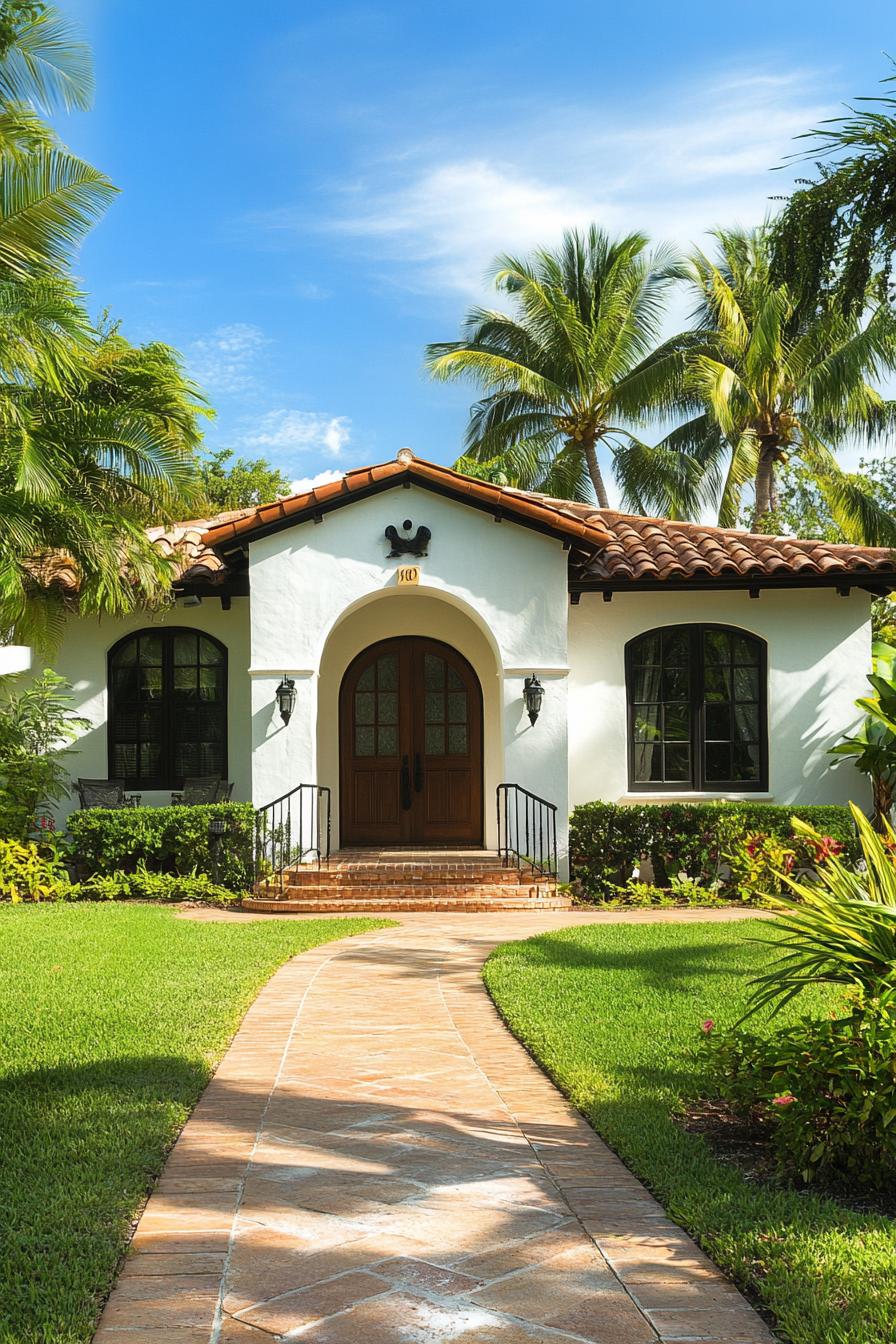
(300, 431)
(692, 159)
(224, 361)
(305, 483)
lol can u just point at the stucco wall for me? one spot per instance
(82, 661)
(322, 592)
(819, 649)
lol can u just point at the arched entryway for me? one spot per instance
(410, 732)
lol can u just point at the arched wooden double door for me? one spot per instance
(410, 724)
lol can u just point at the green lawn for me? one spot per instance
(112, 1018)
(610, 1012)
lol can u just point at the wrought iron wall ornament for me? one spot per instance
(415, 545)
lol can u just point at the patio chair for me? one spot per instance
(202, 789)
(105, 793)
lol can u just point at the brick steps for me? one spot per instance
(379, 905)
(380, 881)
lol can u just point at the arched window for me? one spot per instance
(697, 709)
(167, 708)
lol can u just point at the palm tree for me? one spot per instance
(777, 380)
(97, 438)
(572, 370)
(84, 468)
(48, 196)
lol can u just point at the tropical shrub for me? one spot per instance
(872, 746)
(680, 891)
(823, 1091)
(165, 840)
(144, 885)
(759, 864)
(608, 840)
(35, 726)
(26, 874)
(838, 927)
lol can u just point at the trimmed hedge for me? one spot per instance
(166, 839)
(608, 840)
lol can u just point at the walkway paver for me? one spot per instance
(377, 1161)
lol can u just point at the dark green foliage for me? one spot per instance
(824, 1089)
(607, 840)
(165, 839)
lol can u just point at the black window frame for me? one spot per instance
(168, 633)
(697, 710)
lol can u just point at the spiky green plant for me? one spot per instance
(838, 928)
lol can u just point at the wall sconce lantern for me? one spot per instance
(286, 698)
(533, 695)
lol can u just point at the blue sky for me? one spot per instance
(311, 192)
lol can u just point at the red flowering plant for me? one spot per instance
(821, 1091)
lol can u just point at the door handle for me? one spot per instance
(418, 772)
(405, 784)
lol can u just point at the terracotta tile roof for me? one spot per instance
(607, 547)
(658, 549)
(550, 514)
(184, 543)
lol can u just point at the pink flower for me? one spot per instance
(707, 1026)
(785, 1099)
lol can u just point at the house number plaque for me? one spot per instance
(408, 575)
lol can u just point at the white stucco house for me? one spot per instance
(408, 605)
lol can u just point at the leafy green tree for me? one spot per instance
(837, 232)
(777, 382)
(239, 484)
(572, 371)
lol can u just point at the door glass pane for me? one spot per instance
(151, 649)
(676, 648)
(433, 672)
(746, 650)
(746, 683)
(717, 683)
(647, 723)
(678, 763)
(435, 739)
(745, 762)
(648, 764)
(364, 741)
(387, 672)
(455, 680)
(387, 742)
(365, 702)
(435, 708)
(367, 679)
(209, 653)
(717, 647)
(185, 681)
(718, 762)
(387, 707)
(718, 722)
(677, 722)
(457, 707)
(647, 650)
(186, 649)
(457, 739)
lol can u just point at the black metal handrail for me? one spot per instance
(527, 830)
(291, 830)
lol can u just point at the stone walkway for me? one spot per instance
(377, 1161)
